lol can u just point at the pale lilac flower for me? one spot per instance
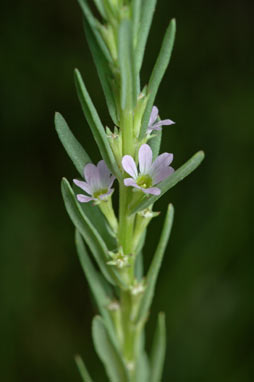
(150, 173)
(98, 182)
(153, 125)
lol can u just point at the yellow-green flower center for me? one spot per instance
(145, 181)
(96, 194)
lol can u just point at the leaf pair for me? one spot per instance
(113, 362)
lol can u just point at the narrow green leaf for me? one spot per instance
(127, 66)
(147, 11)
(92, 276)
(136, 13)
(158, 350)
(93, 24)
(143, 369)
(107, 352)
(95, 125)
(158, 72)
(156, 264)
(82, 369)
(73, 148)
(155, 143)
(103, 70)
(171, 181)
(101, 290)
(97, 219)
(100, 7)
(88, 231)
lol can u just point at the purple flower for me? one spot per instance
(98, 182)
(153, 125)
(150, 173)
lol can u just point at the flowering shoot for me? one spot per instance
(115, 233)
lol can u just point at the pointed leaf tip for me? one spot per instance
(72, 146)
(82, 369)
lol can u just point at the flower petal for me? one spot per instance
(129, 166)
(111, 180)
(151, 128)
(151, 190)
(84, 199)
(165, 122)
(153, 116)
(103, 196)
(161, 161)
(92, 177)
(130, 182)
(162, 174)
(83, 185)
(104, 174)
(145, 157)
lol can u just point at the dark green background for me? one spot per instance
(205, 283)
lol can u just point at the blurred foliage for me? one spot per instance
(205, 284)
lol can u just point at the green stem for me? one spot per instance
(127, 132)
(126, 223)
(132, 345)
(107, 210)
(129, 332)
